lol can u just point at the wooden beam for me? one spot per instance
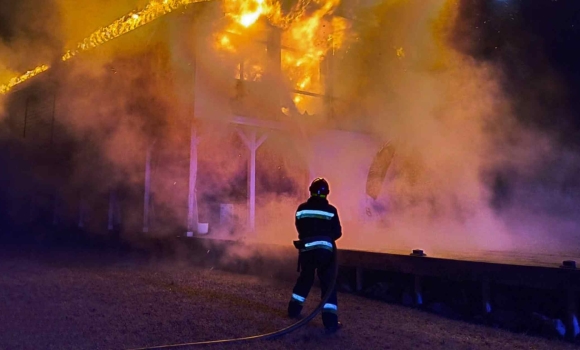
(261, 123)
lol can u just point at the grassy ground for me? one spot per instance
(78, 299)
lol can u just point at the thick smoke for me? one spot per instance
(28, 36)
(24, 42)
(535, 183)
(85, 126)
(468, 171)
(434, 104)
(404, 81)
(478, 164)
(24, 39)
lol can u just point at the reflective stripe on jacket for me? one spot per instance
(317, 218)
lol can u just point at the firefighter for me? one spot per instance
(318, 228)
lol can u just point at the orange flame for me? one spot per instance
(152, 11)
(22, 78)
(308, 37)
(247, 12)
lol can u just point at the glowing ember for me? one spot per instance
(124, 25)
(400, 52)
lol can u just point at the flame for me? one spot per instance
(226, 43)
(128, 23)
(152, 11)
(24, 77)
(247, 12)
(307, 37)
(310, 37)
(250, 17)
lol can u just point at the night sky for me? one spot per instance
(536, 43)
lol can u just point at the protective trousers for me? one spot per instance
(320, 261)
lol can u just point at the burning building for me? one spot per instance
(213, 117)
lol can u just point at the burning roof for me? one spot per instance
(131, 21)
(309, 29)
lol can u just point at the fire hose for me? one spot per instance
(266, 336)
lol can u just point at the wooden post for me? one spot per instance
(328, 76)
(55, 210)
(110, 222)
(418, 291)
(486, 297)
(274, 49)
(53, 118)
(253, 143)
(359, 279)
(572, 327)
(81, 223)
(192, 210)
(147, 190)
(117, 219)
(26, 107)
(274, 67)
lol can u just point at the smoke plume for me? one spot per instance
(470, 170)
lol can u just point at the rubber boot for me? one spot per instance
(294, 309)
(330, 321)
(333, 329)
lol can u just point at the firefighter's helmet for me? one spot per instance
(319, 187)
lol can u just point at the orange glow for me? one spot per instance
(226, 43)
(152, 11)
(310, 32)
(400, 52)
(128, 23)
(21, 79)
(309, 35)
(247, 12)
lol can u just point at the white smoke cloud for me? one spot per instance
(445, 113)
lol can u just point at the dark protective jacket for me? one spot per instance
(317, 218)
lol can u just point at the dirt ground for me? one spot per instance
(96, 300)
